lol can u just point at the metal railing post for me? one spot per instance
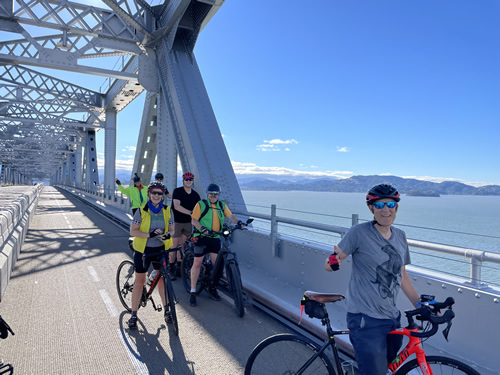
(274, 231)
(475, 270)
(355, 219)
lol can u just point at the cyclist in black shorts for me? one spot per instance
(208, 215)
(148, 224)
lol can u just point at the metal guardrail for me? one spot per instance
(475, 257)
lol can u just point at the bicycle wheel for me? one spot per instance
(187, 263)
(125, 283)
(169, 289)
(287, 354)
(439, 365)
(234, 285)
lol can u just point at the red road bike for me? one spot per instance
(296, 354)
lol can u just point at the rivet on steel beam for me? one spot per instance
(477, 295)
(460, 290)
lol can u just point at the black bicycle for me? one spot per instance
(125, 285)
(225, 272)
(5, 329)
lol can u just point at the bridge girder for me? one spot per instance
(41, 114)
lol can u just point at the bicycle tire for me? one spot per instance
(285, 354)
(186, 264)
(235, 287)
(439, 365)
(169, 290)
(125, 283)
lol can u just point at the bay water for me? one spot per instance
(465, 221)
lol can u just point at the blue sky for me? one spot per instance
(341, 88)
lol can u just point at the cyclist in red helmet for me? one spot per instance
(379, 256)
(184, 199)
(147, 227)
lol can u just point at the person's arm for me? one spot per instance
(408, 288)
(340, 257)
(178, 207)
(123, 190)
(235, 220)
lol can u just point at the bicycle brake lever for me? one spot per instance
(446, 331)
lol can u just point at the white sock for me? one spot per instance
(193, 290)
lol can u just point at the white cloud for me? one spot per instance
(129, 148)
(251, 168)
(271, 145)
(342, 149)
(281, 142)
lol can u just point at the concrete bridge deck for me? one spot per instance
(62, 304)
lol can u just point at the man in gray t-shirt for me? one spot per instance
(379, 255)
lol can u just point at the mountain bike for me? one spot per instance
(125, 285)
(296, 354)
(226, 271)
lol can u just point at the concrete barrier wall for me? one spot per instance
(16, 213)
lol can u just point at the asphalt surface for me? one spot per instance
(63, 306)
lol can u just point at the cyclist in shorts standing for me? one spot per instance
(208, 215)
(148, 225)
(184, 200)
(379, 256)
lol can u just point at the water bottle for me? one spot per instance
(152, 276)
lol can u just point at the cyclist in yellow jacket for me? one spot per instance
(138, 194)
(149, 225)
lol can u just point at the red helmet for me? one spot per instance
(187, 175)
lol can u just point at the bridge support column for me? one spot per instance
(110, 152)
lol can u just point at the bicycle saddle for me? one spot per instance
(323, 297)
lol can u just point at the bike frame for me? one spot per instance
(414, 346)
(162, 272)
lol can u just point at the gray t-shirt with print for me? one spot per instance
(376, 270)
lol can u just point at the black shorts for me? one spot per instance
(139, 265)
(206, 245)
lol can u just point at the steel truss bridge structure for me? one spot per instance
(48, 126)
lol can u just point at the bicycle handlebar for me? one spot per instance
(428, 311)
(227, 230)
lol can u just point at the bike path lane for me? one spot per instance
(64, 309)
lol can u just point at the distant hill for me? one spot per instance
(361, 184)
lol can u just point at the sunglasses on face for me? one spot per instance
(157, 193)
(188, 179)
(380, 205)
(213, 194)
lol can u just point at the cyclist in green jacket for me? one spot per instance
(138, 194)
(207, 217)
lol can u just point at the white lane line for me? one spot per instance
(135, 358)
(109, 304)
(93, 273)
